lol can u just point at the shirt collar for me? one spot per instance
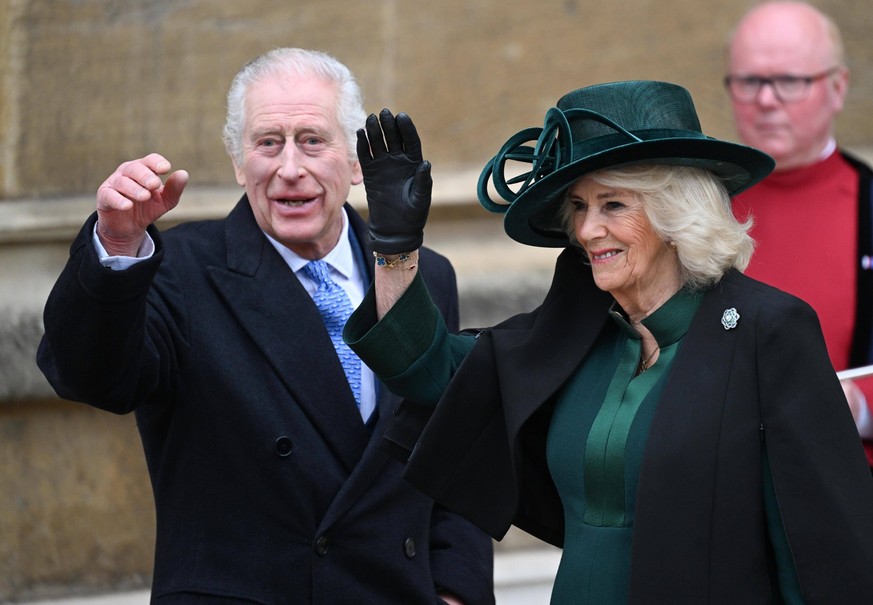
(341, 258)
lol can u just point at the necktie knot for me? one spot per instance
(319, 272)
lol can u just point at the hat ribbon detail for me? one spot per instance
(553, 150)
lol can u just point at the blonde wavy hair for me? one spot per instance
(687, 207)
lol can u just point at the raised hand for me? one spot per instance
(132, 198)
(397, 180)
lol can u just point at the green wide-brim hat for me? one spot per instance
(606, 126)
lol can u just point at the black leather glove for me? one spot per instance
(397, 181)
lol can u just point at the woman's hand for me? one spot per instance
(397, 180)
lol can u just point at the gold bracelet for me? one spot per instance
(398, 261)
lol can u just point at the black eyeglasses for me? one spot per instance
(787, 88)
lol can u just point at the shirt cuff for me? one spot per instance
(120, 263)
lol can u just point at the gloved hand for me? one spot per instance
(397, 181)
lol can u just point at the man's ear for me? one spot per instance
(840, 85)
(357, 174)
(240, 174)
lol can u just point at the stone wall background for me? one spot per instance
(90, 83)
(87, 84)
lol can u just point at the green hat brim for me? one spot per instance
(534, 218)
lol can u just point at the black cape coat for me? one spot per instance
(700, 533)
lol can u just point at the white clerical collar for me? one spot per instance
(829, 148)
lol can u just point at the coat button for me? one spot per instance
(321, 545)
(409, 548)
(283, 446)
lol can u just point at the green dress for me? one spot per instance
(610, 406)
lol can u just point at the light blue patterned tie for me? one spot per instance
(335, 307)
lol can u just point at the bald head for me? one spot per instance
(788, 39)
(794, 30)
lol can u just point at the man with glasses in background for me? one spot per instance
(787, 80)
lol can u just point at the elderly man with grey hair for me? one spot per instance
(261, 429)
(787, 79)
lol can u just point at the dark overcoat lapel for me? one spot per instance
(290, 334)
